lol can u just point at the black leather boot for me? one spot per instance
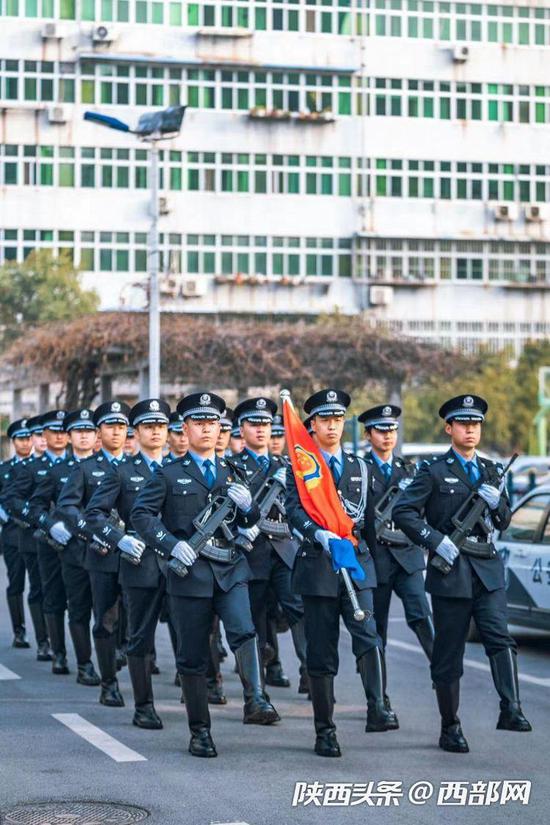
(214, 678)
(369, 666)
(257, 710)
(299, 638)
(17, 615)
(198, 715)
(55, 622)
(80, 634)
(110, 695)
(504, 668)
(424, 630)
(451, 739)
(43, 653)
(145, 715)
(275, 675)
(393, 721)
(322, 691)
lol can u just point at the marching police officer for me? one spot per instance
(177, 438)
(24, 477)
(81, 432)
(163, 516)
(226, 425)
(463, 585)
(49, 563)
(111, 418)
(399, 564)
(20, 435)
(142, 580)
(323, 593)
(277, 442)
(272, 559)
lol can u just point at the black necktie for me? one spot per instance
(334, 469)
(208, 473)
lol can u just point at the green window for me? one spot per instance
(176, 178)
(67, 9)
(293, 179)
(227, 180)
(493, 110)
(87, 260)
(260, 183)
(193, 180)
(105, 260)
(87, 176)
(122, 177)
(66, 174)
(46, 174)
(122, 260)
(344, 185)
(311, 183)
(192, 262)
(242, 181)
(445, 188)
(141, 177)
(381, 185)
(140, 258)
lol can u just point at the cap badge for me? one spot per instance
(84, 414)
(261, 404)
(115, 406)
(23, 422)
(60, 414)
(155, 406)
(468, 401)
(386, 411)
(331, 395)
(204, 399)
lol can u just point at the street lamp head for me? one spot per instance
(166, 123)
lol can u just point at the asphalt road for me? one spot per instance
(253, 779)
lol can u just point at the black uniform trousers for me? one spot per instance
(54, 599)
(279, 582)
(322, 627)
(79, 592)
(410, 589)
(27, 549)
(105, 597)
(192, 619)
(144, 606)
(15, 567)
(452, 621)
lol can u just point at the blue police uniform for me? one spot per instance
(324, 595)
(143, 584)
(102, 567)
(163, 516)
(474, 587)
(272, 558)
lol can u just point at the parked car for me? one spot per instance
(524, 466)
(525, 549)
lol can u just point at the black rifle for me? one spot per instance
(267, 497)
(209, 520)
(385, 531)
(101, 546)
(470, 516)
(41, 534)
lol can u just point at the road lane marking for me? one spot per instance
(98, 738)
(523, 677)
(6, 674)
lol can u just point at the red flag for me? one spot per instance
(318, 494)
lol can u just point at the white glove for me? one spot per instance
(184, 552)
(4, 518)
(240, 495)
(132, 547)
(249, 533)
(60, 534)
(447, 549)
(280, 476)
(489, 494)
(323, 537)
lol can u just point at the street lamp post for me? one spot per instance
(151, 128)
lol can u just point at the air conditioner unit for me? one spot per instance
(535, 213)
(169, 285)
(57, 114)
(381, 295)
(194, 287)
(51, 31)
(461, 54)
(505, 212)
(104, 34)
(164, 205)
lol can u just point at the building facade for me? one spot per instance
(384, 157)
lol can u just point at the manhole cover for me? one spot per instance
(74, 813)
